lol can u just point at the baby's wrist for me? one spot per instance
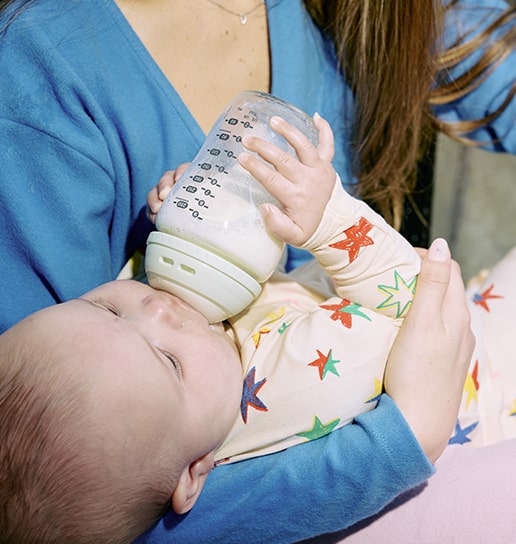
(341, 213)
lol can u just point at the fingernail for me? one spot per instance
(243, 157)
(439, 250)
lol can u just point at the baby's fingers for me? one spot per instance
(326, 147)
(180, 170)
(269, 178)
(165, 183)
(153, 203)
(305, 150)
(160, 191)
(280, 225)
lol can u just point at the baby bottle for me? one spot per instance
(211, 247)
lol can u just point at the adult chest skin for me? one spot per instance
(205, 52)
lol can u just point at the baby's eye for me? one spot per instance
(175, 363)
(107, 306)
(113, 309)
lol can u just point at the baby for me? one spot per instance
(117, 404)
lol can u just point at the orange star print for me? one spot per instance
(356, 237)
(481, 298)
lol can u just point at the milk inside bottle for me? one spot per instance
(212, 247)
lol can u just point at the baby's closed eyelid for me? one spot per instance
(106, 305)
(175, 363)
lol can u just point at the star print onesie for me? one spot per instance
(315, 343)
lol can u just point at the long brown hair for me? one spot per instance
(391, 55)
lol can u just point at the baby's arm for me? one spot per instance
(370, 263)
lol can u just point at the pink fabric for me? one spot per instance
(470, 499)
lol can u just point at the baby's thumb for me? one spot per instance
(279, 224)
(434, 278)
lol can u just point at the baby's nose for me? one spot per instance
(161, 306)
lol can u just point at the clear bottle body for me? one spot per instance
(215, 204)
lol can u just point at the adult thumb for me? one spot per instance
(434, 278)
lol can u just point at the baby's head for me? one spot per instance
(111, 408)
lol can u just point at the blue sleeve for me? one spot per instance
(56, 202)
(500, 134)
(72, 185)
(307, 490)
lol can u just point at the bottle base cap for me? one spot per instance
(210, 284)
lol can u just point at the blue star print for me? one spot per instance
(250, 394)
(461, 435)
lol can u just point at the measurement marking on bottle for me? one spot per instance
(207, 192)
(195, 214)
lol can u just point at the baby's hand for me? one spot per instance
(302, 185)
(159, 192)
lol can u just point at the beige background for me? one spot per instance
(474, 204)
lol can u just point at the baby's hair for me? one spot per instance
(55, 484)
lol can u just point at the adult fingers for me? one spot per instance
(433, 279)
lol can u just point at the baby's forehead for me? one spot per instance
(85, 339)
(41, 362)
(61, 362)
(63, 335)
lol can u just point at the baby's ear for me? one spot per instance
(191, 483)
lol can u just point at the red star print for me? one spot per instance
(325, 364)
(482, 298)
(338, 314)
(320, 363)
(344, 311)
(356, 237)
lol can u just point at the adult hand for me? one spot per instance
(428, 363)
